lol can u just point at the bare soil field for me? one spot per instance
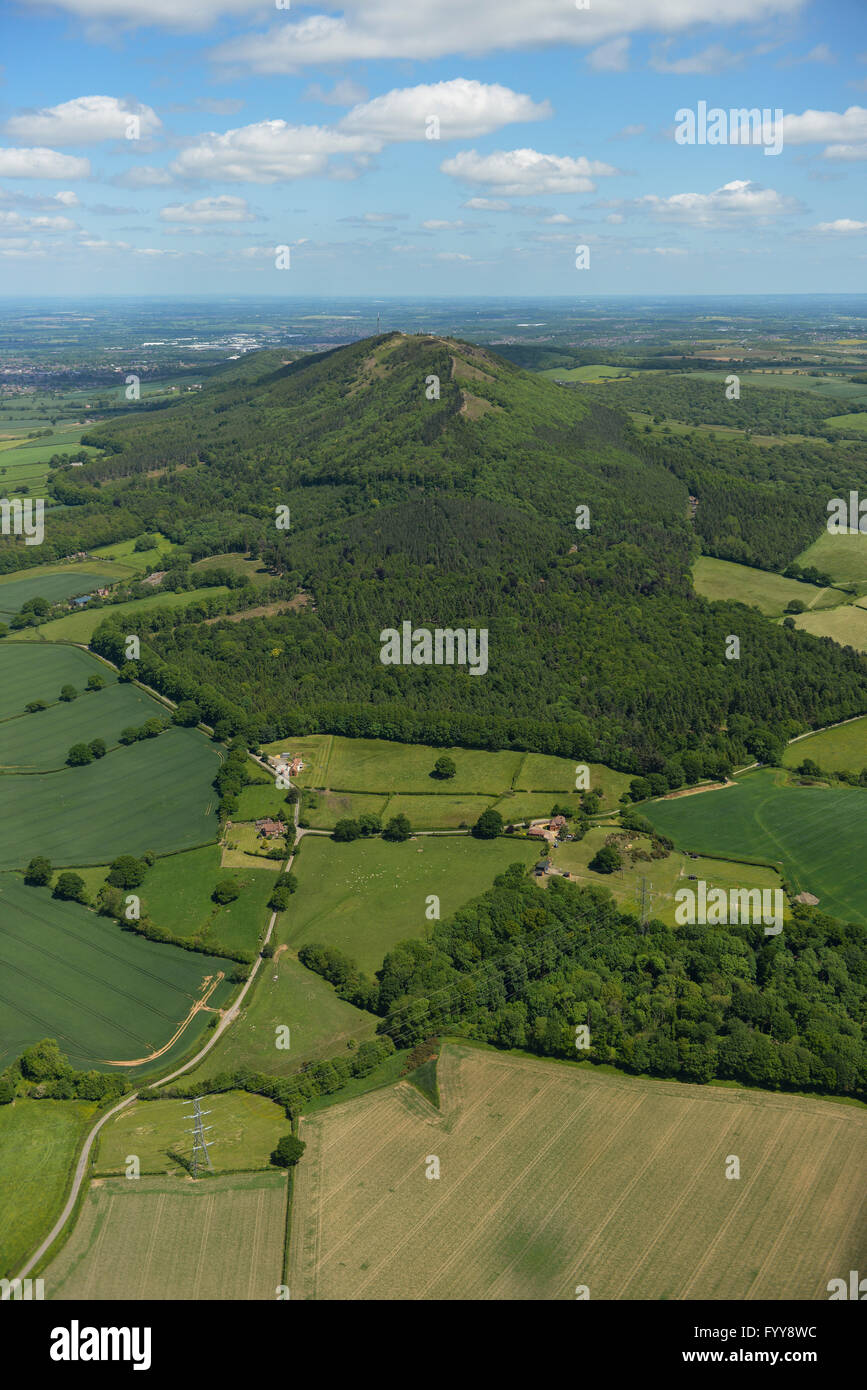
(554, 1177)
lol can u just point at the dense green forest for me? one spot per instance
(430, 481)
(521, 968)
(696, 400)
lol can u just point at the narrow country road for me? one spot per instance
(227, 1018)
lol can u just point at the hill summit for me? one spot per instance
(429, 481)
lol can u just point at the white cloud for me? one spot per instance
(433, 28)
(826, 126)
(487, 205)
(820, 54)
(842, 224)
(367, 218)
(522, 172)
(100, 246)
(714, 58)
(50, 224)
(103, 16)
(268, 152)
(67, 198)
(452, 256)
(659, 251)
(344, 93)
(209, 210)
(612, 56)
(843, 132)
(23, 248)
(846, 153)
(436, 224)
(144, 176)
(464, 109)
(740, 199)
(558, 217)
(85, 121)
(615, 218)
(41, 164)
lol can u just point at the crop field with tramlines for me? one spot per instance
(555, 1178)
(816, 833)
(171, 1238)
(106, 995)
(155, 794)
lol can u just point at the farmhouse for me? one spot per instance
(270, 828)
(537, 832)
(557, 823)
(287, 763)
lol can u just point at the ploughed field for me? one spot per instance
(555, 1178)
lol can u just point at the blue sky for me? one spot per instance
(170, 146)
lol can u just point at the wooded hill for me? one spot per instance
(455, 511)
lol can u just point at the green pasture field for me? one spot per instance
(80, 627)
(591, 372)
(540, 772)
(39, 1142)
(320, 1024)
(262, 800)
(663, 876)
(844, 557)
(40, 742)
(171, 1238)
(555, 1175)
(857, 421)
(721, 579)
(176, 894)
(365, 896)
(846, 625)
(252, 570)
(833, 388)
(843, 749)
(104, 994)
(141, 560)
(669, 425)
(53, 584)
(437, 812)
(377, 765)
(817, 833)
(156, 794)
(246, 1128)
(39, 673)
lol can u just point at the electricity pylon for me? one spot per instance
(200, 1143)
